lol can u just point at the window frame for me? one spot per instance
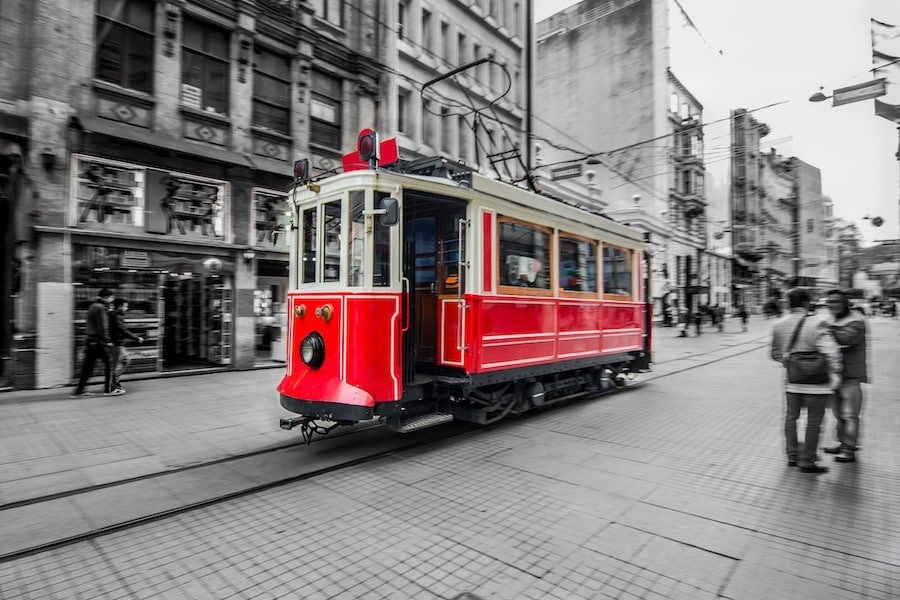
(598, 265)
(513, 290)
(611, 296)
(254, 98)
(325, 97)
(207, 57)
(126, 49)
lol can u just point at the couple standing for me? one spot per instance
(841, 338)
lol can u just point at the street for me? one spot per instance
(676, 487)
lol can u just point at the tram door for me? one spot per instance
(431, 248)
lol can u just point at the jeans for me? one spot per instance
(815, 412)
(92, 352)
(120, 361)
(846, 406)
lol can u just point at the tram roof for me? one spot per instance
(478, 183)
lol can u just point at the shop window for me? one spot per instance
(204, 67)
(325, 110)
(271, 90)
(357, 267)
(310, 222)
(270, 210)
(577, 264)
(331, 235)
(381, 272)
(616, 273)
(189, 205)
(124, 40)
(524, 256)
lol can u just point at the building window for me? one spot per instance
(426, 30)
(445, 40)
(577, 264)
(325, 110)
(271, 90)
(428, 125)
(673, 103)
(463, 137)
(476, 55)
(810, 226)
(402, 19)
(403, 101)
(125, 43)
(515, 19)
(446, 130)
(330, 10)
(523, 256)
(460, 48)
(205, 64)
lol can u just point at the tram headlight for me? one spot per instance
(312, 350)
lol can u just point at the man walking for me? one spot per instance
(799, 331)
(118, 331)
(849, 329)
(97, 344)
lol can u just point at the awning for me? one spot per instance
(14, 126)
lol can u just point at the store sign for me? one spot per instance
(123, 198)
(859, 92)
(134, 259)
(566, 172)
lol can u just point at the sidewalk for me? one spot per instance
(677, 489)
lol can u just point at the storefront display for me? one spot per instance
(268, 308)
(182, 306)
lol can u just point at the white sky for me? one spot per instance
(776, 50)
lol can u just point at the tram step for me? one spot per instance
(423, 421)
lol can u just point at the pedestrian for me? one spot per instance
(801, 331)
(720, 317)
(698, 321)
(684, 316)
(743, 316)
(97, 344)
(849, 329)
(118, 331)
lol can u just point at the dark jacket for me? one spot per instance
(118, 331)
(850, 333)
(97, 325)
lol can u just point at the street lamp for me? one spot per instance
(819, 96)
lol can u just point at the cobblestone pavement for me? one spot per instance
(675, 489)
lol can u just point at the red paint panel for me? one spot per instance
(579, 316)
(578, 346)
(299, 328)
(621, 316)
(373, 345)
(487, 265)
(449, 338)
(517, 317)
(513, 354)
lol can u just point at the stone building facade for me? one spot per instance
(152, 145)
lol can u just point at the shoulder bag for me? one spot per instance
(805, 367)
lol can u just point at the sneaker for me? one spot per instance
(115, 392)
(814, 469)
(845, 457)
(834, 449)
(81, 395)
(119, 387)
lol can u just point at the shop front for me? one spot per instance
(180, 304)
(271, 244)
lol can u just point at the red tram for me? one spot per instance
(422, 293)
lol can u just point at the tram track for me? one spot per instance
(389, 445)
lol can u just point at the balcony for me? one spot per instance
(748, 251)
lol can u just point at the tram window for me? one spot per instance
(357, 267)
(616, 272)
(310, 223)
(331, 230)
(381, 273)
(524, 255)
(577, 264)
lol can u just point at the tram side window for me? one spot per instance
(310, 223)
(357, 271)
(381, 273)
(577, 264)
(524, 255)
(331, 213)
(616, 272)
